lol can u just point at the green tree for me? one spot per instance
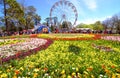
(47, 21)
(22, 17)
(115, 20)
(82, 25)
(37, 19)
(98, 26)
(31, 17)
(12, 13)
(112, 23)
(65, 24)
(29, 14)
(53, 20)
(15, 13)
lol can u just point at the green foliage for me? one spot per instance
(37, 19)
(66, 24)
(75, 49)
(17, 16)
(52, 28)
(13, 13)
(31, 17)
(3, 28)
(22, 21)
(98, 26)
(81, 25)
(85, 26)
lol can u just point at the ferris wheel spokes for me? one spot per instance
(65, 11)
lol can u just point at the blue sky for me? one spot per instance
(89, 11)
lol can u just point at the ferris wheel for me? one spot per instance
(64, 11)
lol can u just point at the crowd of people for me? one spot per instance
(10, 33)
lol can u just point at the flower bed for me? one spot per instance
(30, 46)
(103, 48)
(15, 36)
(70, 36)
(113, 38)
(10, 41)
(66, 59)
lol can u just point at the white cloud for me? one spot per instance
(91, 4)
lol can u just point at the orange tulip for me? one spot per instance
(45, 69)
(17, 72)
(90, 69)
(103, 66)
(112, 66)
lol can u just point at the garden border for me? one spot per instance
(20, 55)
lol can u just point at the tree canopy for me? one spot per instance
(18, 16)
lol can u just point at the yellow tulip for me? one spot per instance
(69, 77)
(21, 68)
(8, 70)
(79, 75)
(15, 76)
(73, 74)
(0, 71)
(92, 76)
(63, 76)
(118, 75)
(4, 75)
(77, 69)
(36, 70)
(85, 72)
(63, 72)
(35, 75)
